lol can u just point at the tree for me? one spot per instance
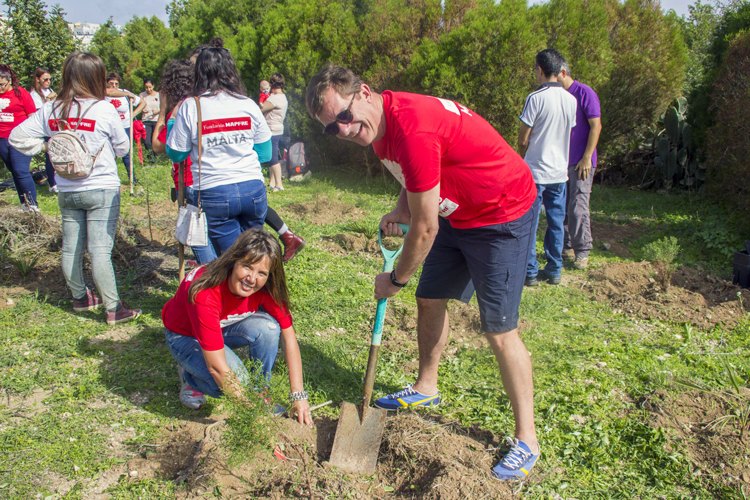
(486, 63)
(649, 62)
(138, 52)
(35, 39)
(109, 44)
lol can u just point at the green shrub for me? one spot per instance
(728, 140)
(663, 253)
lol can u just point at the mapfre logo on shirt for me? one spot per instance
(86, 125)
(226, 125)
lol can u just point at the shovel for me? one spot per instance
(360, 430)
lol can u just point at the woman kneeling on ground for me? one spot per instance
(238, 300)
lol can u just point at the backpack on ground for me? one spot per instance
(297, 160)
(68, 154)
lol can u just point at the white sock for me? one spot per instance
(283, 229)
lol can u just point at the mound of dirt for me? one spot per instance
(420, 457)
(695, 417)
(325, 210)
(692, 297)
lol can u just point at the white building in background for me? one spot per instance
(84, 32)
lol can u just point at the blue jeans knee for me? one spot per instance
(260, 332)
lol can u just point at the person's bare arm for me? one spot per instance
(423, 227)
(523, 138)
(584, 165)
(301, 408)
(225, 378)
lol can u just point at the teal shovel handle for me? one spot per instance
(389, 257)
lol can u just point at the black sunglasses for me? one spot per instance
(46, 79)
(344, 117)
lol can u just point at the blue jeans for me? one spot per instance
(232, 209)
(89, 220)
(205, 254)
(259, 332)
(552, 196)
(18, 164)
(49, 169)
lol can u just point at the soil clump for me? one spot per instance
(692, 297)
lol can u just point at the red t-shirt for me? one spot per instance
(428, 140)
(215, 308)
(14, 110)
(188, 174)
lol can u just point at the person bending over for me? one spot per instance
(238, 300)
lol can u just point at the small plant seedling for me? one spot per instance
(663, 253)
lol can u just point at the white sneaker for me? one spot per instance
(189, 397)
(30, 208)
(53, 189)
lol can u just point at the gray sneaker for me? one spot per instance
(189, 397)
(581, 262)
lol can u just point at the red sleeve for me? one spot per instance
(278, 312)
(419, 157)
(205, 316)
(27, 102)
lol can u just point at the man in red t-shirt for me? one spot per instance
(467, 197)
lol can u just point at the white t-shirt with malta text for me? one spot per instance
(123, 108)
(231, 127)
(550, 112)
(101, 131)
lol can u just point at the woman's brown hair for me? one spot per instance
(250, 247)
(82, 78)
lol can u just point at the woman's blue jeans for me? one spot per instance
(232, 209)
(89, 221)
(18, 164)
(258, 332)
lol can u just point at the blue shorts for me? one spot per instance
(490, 260)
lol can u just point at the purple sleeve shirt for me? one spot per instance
(588, 107)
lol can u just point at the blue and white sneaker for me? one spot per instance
(407, 398)
(517, 463)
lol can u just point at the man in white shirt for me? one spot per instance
(547, 118)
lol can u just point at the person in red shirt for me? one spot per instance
(238, 300)
(468, 198)
(16, 104)
(265, 91)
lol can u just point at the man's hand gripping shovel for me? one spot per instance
(360, 430)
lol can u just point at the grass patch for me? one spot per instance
(82, 400)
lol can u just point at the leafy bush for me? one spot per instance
(663, 253)
(728, 140)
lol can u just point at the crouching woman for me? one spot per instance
(239, 300)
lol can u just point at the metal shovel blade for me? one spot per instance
(357, 441)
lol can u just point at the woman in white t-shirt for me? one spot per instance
(151, 104)
(41, 93)
(119, 98)
(227, 181)
(274, 108)
(90, 206)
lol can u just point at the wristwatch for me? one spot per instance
(396, 282)
(298, 396)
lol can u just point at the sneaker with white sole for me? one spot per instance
(517, 463)
(89, 302)
(189, 397)
(407, 398)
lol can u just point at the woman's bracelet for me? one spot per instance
(299, 396)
